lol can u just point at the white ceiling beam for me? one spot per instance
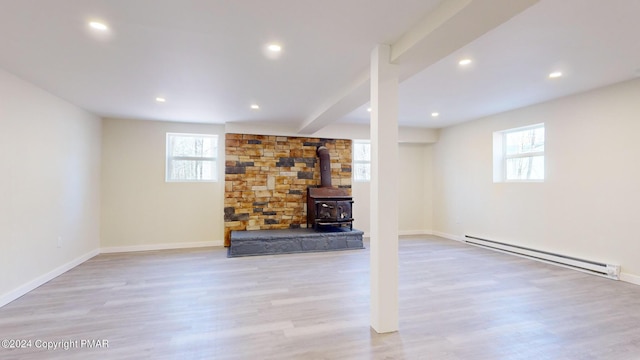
(452, 25)
(349, 99)
(429, 24)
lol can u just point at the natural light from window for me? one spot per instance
(519, 154)
(361, 160)
(191, 158)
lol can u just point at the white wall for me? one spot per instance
(333, 131)
(142, 211)
(416, 196)
(415, 192)
(49, 188)
(361, 206)
(587, 206)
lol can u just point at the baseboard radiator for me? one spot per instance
(592, 267)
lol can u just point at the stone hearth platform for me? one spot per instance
(269, 242)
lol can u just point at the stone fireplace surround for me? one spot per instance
(266, 179)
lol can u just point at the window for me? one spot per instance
(191, 157)
(519, 154)
(361, 161)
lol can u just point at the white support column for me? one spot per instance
(384, 191)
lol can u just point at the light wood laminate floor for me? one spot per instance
(456, 302)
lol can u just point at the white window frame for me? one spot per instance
(170, 159)
(500, 156)
(365, 162)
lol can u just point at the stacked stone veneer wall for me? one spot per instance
(266, 179)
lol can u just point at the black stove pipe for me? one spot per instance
(325, 166)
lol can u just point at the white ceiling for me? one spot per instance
(206, 56)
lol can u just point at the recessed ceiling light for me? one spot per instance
(274, 48)
(555, 74)
(464, 62)
(98, 26)
(369, 109)
(255, 106)
(435, 114)
(161, 99)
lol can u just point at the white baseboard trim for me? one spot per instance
(151, 247)
(42, 279)
(449, 236)
(630, 278)
(414, 232)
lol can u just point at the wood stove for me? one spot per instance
(327, 206)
